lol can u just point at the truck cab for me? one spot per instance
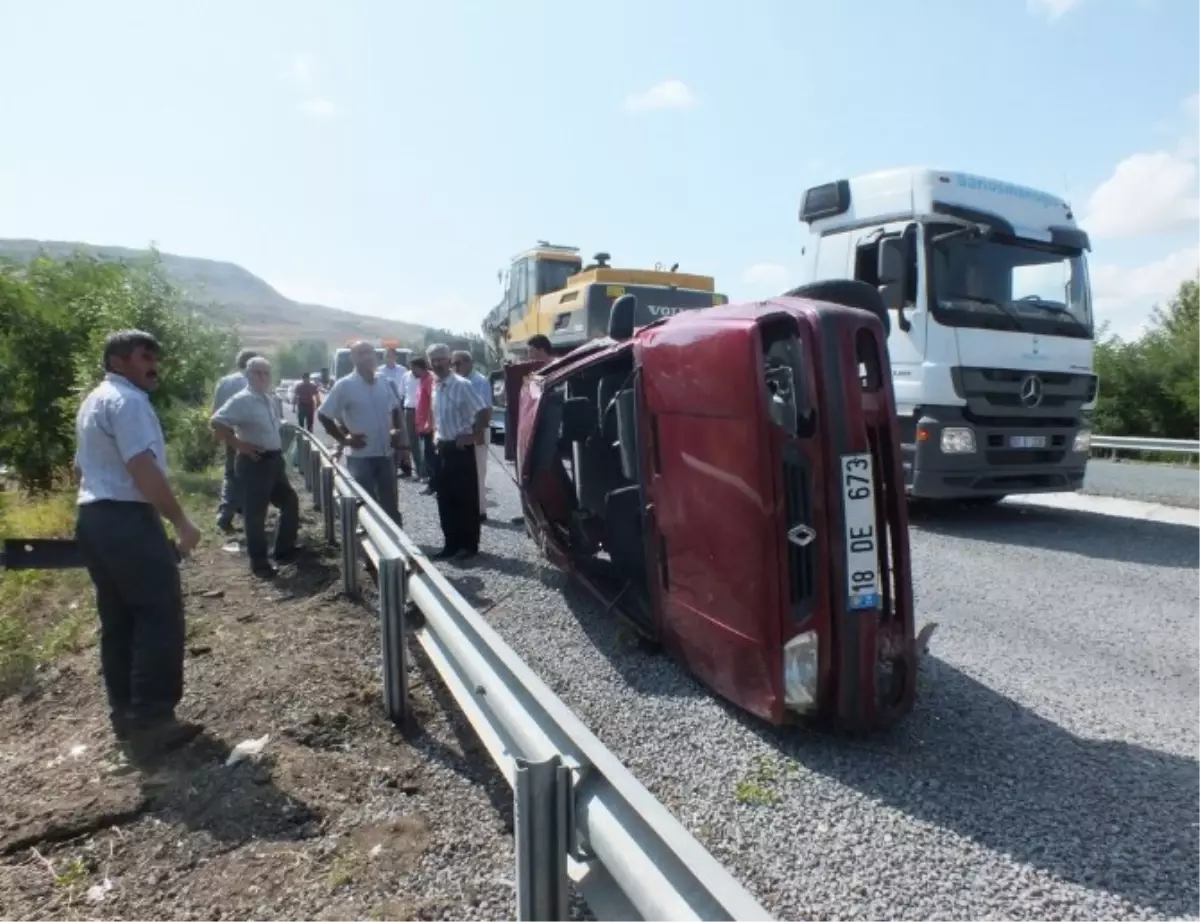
(991, 327)
(753, 522)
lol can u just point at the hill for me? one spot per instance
(228, 295)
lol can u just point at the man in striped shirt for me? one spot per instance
(231, 500)
(460, 419)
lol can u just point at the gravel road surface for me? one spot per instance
(1049, 770)
(1171, 485)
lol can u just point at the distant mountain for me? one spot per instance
(228, 295)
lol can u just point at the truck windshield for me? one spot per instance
(552, 275)
(1007, 283)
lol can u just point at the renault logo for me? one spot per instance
(801, 535)
(1031, 391)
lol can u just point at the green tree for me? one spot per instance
(54, 318)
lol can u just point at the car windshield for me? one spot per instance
(1002, 282)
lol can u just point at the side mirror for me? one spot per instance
(892, 265)
(620, 321)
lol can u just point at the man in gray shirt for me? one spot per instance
(249, 424)
(229, 385)
(362, 413)
(124, 494)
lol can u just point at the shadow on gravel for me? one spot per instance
(232, 805)
(1105, 815)
(1104, 537)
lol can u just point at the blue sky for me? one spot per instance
(389, 157)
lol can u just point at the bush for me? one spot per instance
(193, 448)
(54, 318)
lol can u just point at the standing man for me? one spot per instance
(460, 420)
(538, 348)
(362, 414)
(410, 391)
(464, 366)
(394, 374)
(249, 424)
(231, 502)
(305, 398)
(124, 495)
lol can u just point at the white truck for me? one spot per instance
(991, 330)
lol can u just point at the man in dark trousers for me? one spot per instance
(305, 398)
(249, 424)
(229, 385)
(460, 419)
(124, 495)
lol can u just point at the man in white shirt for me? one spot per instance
(464, 366)
(410, 392)
(394, 374)
(124, 495)
(229, 385)
(362, 414)
(249, 424)
(460, 420)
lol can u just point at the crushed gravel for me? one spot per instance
(1049, 770)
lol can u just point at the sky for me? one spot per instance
(390, 157)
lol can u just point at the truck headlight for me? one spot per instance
(958, 440)
(1083, 440)
(801, 667)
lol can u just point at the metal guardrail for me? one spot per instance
(1132, 443)
(580, 815)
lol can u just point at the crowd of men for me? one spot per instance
(430, 421)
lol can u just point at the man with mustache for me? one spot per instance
(124, 495)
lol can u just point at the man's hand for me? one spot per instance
(245, 448)
(187, 536)
(355, 440)
(399, 439)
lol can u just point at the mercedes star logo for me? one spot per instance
(1031, 391)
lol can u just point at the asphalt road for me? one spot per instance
(1048, 771)
(1171, 485)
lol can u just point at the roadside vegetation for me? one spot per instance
(1150, 386)
(54, 317)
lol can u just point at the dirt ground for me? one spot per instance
(341, 816)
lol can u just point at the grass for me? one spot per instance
(46, 614)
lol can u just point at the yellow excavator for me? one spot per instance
(548, 290)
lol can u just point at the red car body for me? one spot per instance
(695, 476)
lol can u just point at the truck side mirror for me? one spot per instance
(891, 265)
(891, 269)
(620, 320)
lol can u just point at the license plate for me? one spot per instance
(862, 532)
(1026, 441)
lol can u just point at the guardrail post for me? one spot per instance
(302, 454)
(392, 591)
(542, 799)
(327, 505)
(313, 478)
(348, 507)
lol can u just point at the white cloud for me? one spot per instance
(1051, 9)
(767, 276)
(317, 107)
(670, 94)
(1151, 192)
(1124, 297)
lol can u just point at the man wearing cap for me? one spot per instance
(124, 495)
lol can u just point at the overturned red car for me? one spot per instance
(729, 480)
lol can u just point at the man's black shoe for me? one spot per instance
(291, 554)
(445, 554)
(160, 738)
(264, 571)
